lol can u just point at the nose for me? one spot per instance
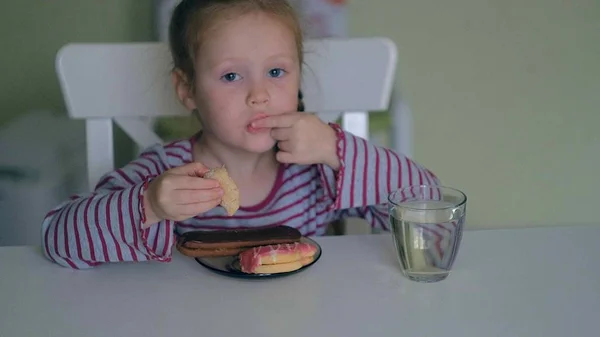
(258, 95)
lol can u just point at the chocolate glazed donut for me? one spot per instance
(231, 242)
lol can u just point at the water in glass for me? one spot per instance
(427, 224)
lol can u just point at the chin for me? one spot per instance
(259, 147)
(257, 143)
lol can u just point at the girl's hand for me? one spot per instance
(180, 193)
(302, 138)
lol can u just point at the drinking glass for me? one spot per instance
(427, 224)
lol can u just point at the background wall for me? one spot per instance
(31, 32)
(506, 101)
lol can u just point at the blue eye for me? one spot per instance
(230, 77)
(276, 72)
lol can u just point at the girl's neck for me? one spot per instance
(241, 165)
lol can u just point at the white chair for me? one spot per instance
(129, 83)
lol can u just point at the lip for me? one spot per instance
(252, 129)
(258, 116)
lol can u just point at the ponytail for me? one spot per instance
(300, 101)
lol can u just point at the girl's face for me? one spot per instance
(247, 68)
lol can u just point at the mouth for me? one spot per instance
(252, 129)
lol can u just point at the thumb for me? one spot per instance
(284, 157)
(194, 169)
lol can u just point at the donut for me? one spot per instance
(280, 258)
(230, 242)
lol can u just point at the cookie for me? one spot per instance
(231, 196)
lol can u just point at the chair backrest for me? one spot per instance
(127, 82)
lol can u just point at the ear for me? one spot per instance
(183, 89)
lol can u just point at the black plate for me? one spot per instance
(229, 265)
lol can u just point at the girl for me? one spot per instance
(237, 66)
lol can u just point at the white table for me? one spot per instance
(525, 282)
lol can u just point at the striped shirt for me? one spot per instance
(105, 225)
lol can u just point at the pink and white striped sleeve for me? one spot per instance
(105, 226)
(367, 175)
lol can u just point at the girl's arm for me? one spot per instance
(366, 176)
(106, 225)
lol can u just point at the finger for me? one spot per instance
(281, 133)
(277, 121)
(284, 157)
(198, 208)
(186, 197)
(194, 169)
(193, 183)
(285, 146)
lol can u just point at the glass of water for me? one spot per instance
(427, 224)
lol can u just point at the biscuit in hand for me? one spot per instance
(231, 195)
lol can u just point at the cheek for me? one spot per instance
(217, 105)
(285, 95)
(216, 99)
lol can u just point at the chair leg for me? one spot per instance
(336, 228)
(100, 152)
(354, 226)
